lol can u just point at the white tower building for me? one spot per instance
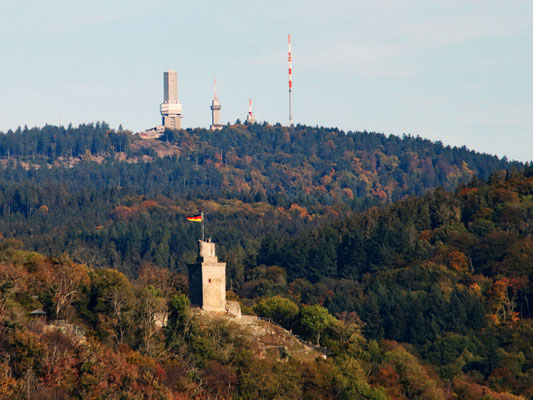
(215, 112)
(171, 107)
(250, 118)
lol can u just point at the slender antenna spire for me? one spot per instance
(290, 84)
(215, 111)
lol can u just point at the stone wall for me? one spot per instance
(214, 286)
(234, 308)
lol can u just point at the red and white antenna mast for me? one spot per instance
(290, 83)
(251, 117)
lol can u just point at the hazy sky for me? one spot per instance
(459, 71)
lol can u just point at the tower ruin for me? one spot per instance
(207, 279)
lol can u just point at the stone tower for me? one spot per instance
(207, 279)
(171, 107)
(215, 112)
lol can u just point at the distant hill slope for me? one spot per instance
(251, 163)
(112, 199)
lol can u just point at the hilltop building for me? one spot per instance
(171, 108)
(215, 112)
(250, 118)
(152, 133)
(207, 282)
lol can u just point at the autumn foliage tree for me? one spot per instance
(63, 282)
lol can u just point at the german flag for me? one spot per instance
(196, 218)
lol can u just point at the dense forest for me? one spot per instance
(251, 163)
(425, 299)
(450, 273)
(408, 262)
(111, 199)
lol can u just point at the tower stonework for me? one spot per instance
(207, 279)
(171, 111)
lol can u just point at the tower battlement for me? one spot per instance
(206, 252)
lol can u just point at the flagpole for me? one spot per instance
(203, 226)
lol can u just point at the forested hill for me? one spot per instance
(427, 298)
(450, 273)
(250, 163)
(112, 199)
(447, 273)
